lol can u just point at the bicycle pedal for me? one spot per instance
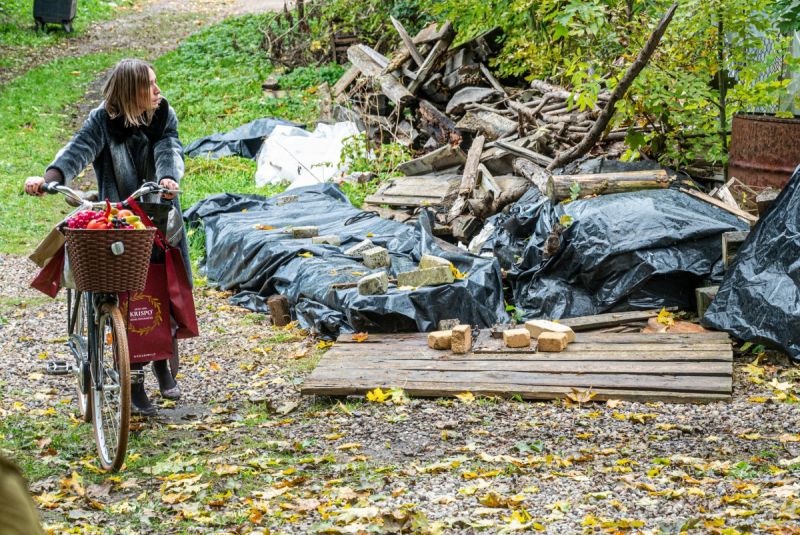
(59, 367)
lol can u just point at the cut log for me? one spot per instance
(279, 310)
(390, 85)
(558, 186)
(511, 189)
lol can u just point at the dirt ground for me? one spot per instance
(151, 28)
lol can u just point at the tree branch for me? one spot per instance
(619, 91)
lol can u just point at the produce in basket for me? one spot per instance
(111, 218)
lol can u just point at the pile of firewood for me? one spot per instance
(480, 143)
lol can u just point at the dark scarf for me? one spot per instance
(154, 131)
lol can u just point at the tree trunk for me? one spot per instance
(558, 186)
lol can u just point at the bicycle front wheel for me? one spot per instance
(111, 388)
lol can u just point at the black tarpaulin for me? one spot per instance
(625, 251)
(243, 141)
(759, 298)
(259, 263)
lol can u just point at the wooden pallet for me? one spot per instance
(644, 367)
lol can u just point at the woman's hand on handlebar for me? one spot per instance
(169, 184)
(33, 185)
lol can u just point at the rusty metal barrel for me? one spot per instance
(765, 150)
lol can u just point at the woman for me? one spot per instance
(131, 138)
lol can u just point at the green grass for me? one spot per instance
(17, 26)
(213, 80)
(35, 123)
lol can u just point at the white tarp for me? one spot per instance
(303, 158)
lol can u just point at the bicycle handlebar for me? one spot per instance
(146, 189)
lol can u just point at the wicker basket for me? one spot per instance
(96, 266)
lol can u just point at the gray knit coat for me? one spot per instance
(125, 157)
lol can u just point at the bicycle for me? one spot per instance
(97, 339)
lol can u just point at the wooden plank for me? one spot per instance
(683, 383)
(344, 82)
(599, 367)
(433, 57)
(535, 157)
(576, 354)
(748, 218)
(585, 323)
(655, 338)
(434, 389)
(412, 49)
(362, 57)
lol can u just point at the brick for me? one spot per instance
(304, 232)
(377, 257)
(429, 261)
(426, 277)
(359, 248)
(537, 327)
(373, 284)
(550, 342)
(439, 339)
(327, 240)
(461, 340)
(517, 338)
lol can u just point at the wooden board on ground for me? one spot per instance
(430, 190)
(634, 366)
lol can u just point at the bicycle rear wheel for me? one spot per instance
(78, 309)
(111, 388)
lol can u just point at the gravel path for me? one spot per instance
(451, 465)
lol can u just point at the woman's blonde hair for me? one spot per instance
(127, 92)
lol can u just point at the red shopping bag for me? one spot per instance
(181, 300)
(147, 318)
(48, 280)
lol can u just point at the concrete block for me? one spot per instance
(537, 327)
(377, 257)
(429, 261)
(461, 339)
(704, 298)
(447, 325)
(359, 248)
(330, 239)
(426, 277)
(550, 342)
(304, 232)
(373, 284)
(440, 339)
(517, 338)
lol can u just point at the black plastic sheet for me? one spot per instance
(260, 263)
(627, 251)
(759, 299)
(244, 141)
